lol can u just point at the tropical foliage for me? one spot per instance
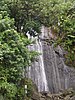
(17, 17)
(60, 16)
(14, 58)
(23, 12)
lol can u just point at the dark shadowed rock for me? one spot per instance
(35, 96)
(73, 98)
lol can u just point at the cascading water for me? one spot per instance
(37, 72)
(49, 71)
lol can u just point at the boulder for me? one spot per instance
(67, 97)
(35, 96)
(73, 98)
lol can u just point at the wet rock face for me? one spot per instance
(59, 76)
(49, 71)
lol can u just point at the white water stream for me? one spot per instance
(49, 71)
(37, 72)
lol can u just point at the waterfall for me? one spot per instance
(36, 71)
(49, 71)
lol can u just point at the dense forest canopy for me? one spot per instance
(16, 18)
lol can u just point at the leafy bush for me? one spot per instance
(14, 58)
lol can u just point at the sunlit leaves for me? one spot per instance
(14, 58)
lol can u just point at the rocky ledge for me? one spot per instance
(64, 95)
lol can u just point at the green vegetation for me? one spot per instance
(14, 58)
(60, 16)
(23, 12)
(16, 18)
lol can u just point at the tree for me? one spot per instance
(14, 58)
(23, 12)
(60, 16)
(61, 19)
